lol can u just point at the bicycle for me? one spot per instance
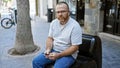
(9, 22)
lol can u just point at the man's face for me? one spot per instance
(62, 12)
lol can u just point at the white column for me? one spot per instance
(32, 8)
(50, 3)
(43, 7)
(92, 14)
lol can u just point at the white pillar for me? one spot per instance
(92, 14)
(32, 8)
(43, 7)
(50, 3)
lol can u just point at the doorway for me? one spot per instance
(112, 17)
(80, 11)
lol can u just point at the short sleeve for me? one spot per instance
(76, 36)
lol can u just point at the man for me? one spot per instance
(64, 38)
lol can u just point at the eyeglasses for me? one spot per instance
(61, 12)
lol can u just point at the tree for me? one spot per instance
(24, 40)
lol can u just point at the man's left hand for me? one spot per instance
(54, 56)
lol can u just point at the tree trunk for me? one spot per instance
(24, 40)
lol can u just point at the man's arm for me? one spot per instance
(69, 51)
(49, 44)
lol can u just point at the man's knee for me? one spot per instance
(36, 63)
(33, 61)
(39, 60)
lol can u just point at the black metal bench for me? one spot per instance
(90, 53)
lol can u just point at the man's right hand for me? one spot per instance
(47, 52)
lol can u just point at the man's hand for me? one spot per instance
(47, 52)
(54, 56)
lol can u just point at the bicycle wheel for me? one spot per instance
(6, 23)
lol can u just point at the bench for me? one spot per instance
(90, 53)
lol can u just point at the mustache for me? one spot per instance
(61, 17)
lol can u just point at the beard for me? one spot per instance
(62, 19)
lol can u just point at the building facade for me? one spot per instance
(111, 9)
(94, 15)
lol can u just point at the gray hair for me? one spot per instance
(62, 2)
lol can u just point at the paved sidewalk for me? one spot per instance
(7, 39)
(110, 46)
(110, 51)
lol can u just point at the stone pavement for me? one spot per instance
(110, 46)
(7, 39)
(111, 51)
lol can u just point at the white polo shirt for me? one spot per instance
(65, 35)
